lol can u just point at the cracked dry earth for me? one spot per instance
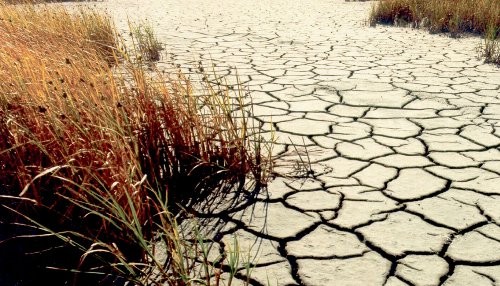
(402, 129)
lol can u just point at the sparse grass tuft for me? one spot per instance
(452, 16)
(145, 40)
(490, 49)
(99, 153)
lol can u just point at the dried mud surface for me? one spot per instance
(402, 129)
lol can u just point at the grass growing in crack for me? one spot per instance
(490, 48)
(97, 153)
(145, 41)
(453, 16)
(303, 168)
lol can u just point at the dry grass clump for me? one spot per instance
(490, 48)
(453, 16)
(148, 46)
(56, 27)
(96, 152)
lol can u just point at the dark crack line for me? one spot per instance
(449, 273)
(490, 195)
(392, 272)
(294, 265)
(491, 278)
(430, 221)
(483, 212)
(405, 280)
(488, 236)
(333, 256)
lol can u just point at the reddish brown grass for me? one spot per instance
(93, 149)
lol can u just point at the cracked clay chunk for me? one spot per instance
(422, 270)
(276, 220)
(327, 242)
(481, 245)
(413, 184)
(368, 270)
(402, 232)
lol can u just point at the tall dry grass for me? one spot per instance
(97, 151)
(453, 16)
